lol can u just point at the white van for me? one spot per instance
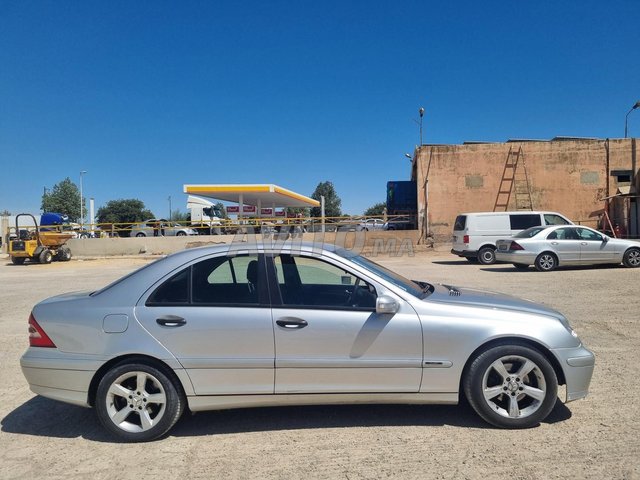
(475, 234)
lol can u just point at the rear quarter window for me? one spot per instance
(524, 221)
(461, 222)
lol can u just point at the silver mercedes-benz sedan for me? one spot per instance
(550, 247)
(248, 325)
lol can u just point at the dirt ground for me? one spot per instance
(592, 438)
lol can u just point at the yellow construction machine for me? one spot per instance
(38, 246)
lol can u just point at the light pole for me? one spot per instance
(419, 122)
(169, 207)
(82, 172)
(636, 105)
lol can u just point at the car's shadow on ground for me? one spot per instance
(507, 267)
(454, 262)
(42, 417)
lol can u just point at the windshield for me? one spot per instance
(418, 290)
(529, 232)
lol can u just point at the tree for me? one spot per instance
(377, 209)
(295, 211)
(63, 198)
(123, 211)
(179, 216)
(332, 202)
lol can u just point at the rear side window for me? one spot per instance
(461, 222)
(174, 291)
(521, 222)
(529, 232)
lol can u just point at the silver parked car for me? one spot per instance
(248, 325)
(550, 247)
(370, 224)
(160, 227)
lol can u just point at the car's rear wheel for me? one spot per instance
(631, 258)
(521, 266)
(546, 261)
(511, 386)
(138, 402)
(487, 255)
(140, 234)
(181, 234)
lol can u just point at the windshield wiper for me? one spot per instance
(427, 288)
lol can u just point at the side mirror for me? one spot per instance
(605, 239)
(387, 304)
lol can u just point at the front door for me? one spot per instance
(328, 337)
(593, 248)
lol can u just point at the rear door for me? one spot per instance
(328, 337)
(214, 317)
(565, 243)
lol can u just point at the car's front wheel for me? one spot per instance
(631, 258)
(511, 386)
(137, 402)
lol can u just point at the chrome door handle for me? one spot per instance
(554, 243)
(291, 323)
(171, 321)
(583, 243)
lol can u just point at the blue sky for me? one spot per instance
(148, 96)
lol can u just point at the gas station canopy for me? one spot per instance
(266, 195)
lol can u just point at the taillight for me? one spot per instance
(37, 336)
(515, 246)
(465, 239)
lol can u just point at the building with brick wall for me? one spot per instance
(578, 177)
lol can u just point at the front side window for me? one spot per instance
(589, 235)
(310, 282)
(552, 219)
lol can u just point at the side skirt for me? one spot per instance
(224, 402)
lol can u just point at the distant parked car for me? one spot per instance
(370, 224)
(160, 227)
(550, 247)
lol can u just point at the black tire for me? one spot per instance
(45, 256)
(140, 234)
(181, 234)
(487, 255)
(511, 407)
(162, 416)
(18, 260)
(631, 258)
(521, 266)
(63, 255)
(546, 261)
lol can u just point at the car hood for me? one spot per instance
(480, 298)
